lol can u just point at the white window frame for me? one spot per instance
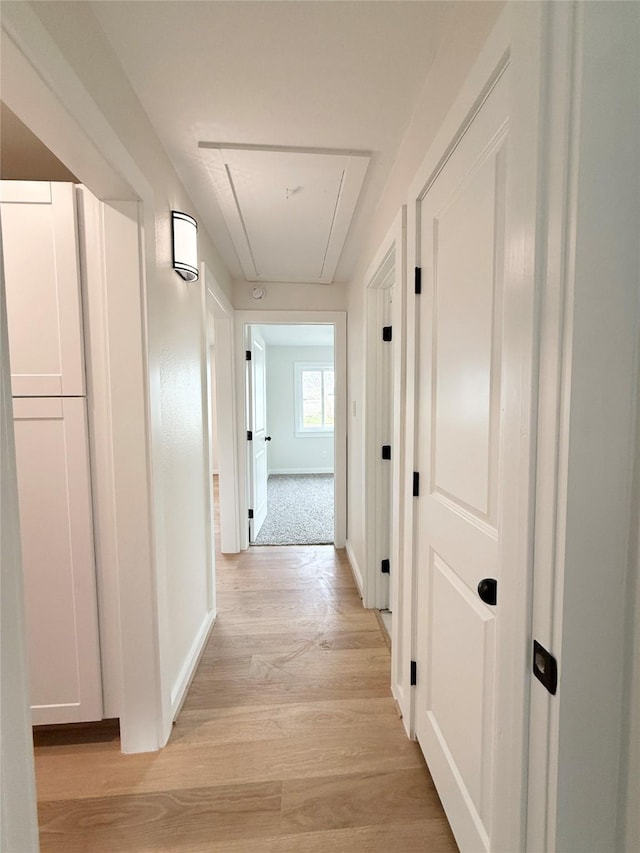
(298, 367)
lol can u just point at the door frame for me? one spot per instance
(583, 790)
(516, 39)
(389, 261)
(379, 410)
(221, 314)
(254, 377)
(43, 90)
(18, 814)
(339, 321)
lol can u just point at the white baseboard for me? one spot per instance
(181, 686)
(355, 569)
(301, 471)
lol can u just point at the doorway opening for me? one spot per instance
(300, 510)
(290, 416)
(220, 394)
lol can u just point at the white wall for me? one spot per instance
(281, 296)
(213, 413)
(468, 26)
(287, 453)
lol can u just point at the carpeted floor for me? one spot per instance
(300, 510)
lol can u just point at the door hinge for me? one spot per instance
(418, 280)
(385, 567)
(386, 451)
(247, 355)
(413, 680)
(416, 484)
(545, 667)
(387, 333)
(249, 435)
(250, 513)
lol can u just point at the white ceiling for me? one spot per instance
(279, 335)
(288, 212)
(342, 76)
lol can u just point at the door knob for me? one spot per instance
(488, 590)
(267, 438)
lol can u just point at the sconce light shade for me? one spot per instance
(185, 245)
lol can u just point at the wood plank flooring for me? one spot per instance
(288, 740)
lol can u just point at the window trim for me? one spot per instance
(300, 430)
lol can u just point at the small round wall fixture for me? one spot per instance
(184, 233)
(257, 293)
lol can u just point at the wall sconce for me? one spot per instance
(185, 245)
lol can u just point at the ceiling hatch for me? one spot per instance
(288, 211)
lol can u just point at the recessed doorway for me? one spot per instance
(291, 413)
(294, 427)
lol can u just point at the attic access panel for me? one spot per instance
(288, 211)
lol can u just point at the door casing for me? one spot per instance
(43, 90)
(389, 263)
(379, 411)
(221, 315)
(339, 321)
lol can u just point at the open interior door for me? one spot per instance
(257, 420)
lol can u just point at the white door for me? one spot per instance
(258, 444)
(52, 460)
(43, 288)
(462, 247)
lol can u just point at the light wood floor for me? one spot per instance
(288, 740)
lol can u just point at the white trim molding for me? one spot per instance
(43, 90)
(389, 268)
(18, 810)
(300, 471)
(355, 568)
(338, 319)
(299, 367)
(188, 670)
(220, 309)
(583, 787)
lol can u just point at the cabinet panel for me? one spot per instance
(58, 559)
(40, 243)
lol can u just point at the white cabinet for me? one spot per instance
(44, 310)
(54, 493)
(40, 250)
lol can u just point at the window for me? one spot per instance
(315, 399)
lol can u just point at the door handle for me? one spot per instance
(267, 438)
(488, 590)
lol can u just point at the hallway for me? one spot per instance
(289, 739)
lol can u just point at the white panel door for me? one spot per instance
(258, 446)
(54, 493)
(462, 248)
(39, 234)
